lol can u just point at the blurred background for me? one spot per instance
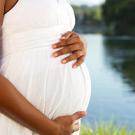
(109, 28)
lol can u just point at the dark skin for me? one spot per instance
(16, 105)
(71, 42)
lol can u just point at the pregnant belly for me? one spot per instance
(55, 89)
(68, 91)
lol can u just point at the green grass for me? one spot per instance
(105, 129)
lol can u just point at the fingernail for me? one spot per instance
(74, 66)
(63, 61)
(54, 46)
(55, 54)
(84, 113)
(63, 37)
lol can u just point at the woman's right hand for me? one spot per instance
(66, 124)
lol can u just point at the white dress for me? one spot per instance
(28, 31)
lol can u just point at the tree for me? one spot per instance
(119, 15)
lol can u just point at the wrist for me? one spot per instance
(53, 128)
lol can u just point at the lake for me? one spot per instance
(111, 64)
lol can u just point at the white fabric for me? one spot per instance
(29, 29)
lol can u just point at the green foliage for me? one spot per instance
(88, 14)
(119, 15)
(105, 129)
(89, 19)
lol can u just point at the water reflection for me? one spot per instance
(111, 64)
(121, 55)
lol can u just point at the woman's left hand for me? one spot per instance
(71, 43)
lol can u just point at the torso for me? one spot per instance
(28, 31)
(42, 14)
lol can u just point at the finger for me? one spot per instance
(79, 61)
(72, 35)
(67, 42)
(62, 39)
(74, 56)
(66, 35)
(59, 44)
(73, 39)
(78, 115)
(67, 49)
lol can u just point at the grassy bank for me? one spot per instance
(105, 129)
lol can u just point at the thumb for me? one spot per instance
(78, 115)
(66, 35)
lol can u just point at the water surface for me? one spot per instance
(111, 64)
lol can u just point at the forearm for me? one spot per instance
(15, 106)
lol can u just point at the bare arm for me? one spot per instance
(15, 106)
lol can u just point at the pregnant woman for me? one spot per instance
(45, 85)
